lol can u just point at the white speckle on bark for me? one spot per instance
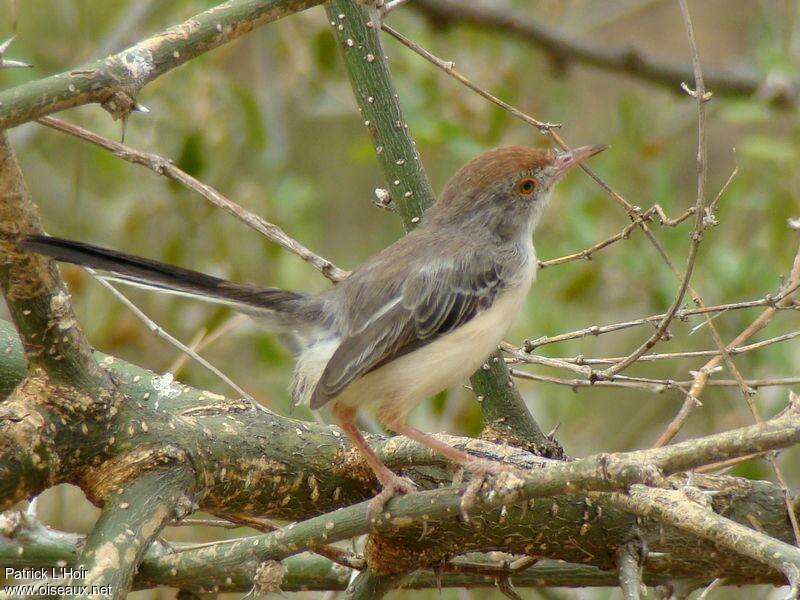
(139, 64)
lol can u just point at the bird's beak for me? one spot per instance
(564, 161)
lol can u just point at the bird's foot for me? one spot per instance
(393, 485)
(483, 473)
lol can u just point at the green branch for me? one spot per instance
(130, 521)
(364, 58)
(29, 544)
(253, 462)
(439, 509)
(115, 80)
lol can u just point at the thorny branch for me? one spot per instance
(780, 301)
(700, 95)
(116, 80)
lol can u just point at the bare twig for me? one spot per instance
(449, 68)
(702, 376)
(595, 330)
(654, 385)
(518, 355)
(159, 332)
(587, 253)
(163, 166)
(701, 96)
(631, 61)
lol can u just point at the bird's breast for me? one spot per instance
(396, 387)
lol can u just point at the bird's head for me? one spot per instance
(505, 189)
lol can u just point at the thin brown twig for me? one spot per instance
(587, 253)
(449, 68)
(595, 330)
(163, 166)
(520, 355)
(653, 385)
(702, 375)
(701, 96)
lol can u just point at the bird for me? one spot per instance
(416, 318)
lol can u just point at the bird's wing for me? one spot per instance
(424, 305)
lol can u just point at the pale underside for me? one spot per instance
(393, 389)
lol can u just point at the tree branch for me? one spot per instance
(506, 418)
(116, 80)
(629, 61)
(252, 462)
(130, 521)
(358, 38)
(26, 543)
(675, 508)
(438, 509)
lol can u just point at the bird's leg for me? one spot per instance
(479, 467)
(391, 483)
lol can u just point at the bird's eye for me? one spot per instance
(526, 186)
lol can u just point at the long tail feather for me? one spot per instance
(290, 308)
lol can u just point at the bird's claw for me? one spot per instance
(482, 471)
(392, 487)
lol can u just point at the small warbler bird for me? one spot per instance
(416, 318)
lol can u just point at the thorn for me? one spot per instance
(141, 108)
(383, 199)
(11, 64)
(5, 45)
(33, 504)
(704, 97)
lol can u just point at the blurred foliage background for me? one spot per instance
(271, 122)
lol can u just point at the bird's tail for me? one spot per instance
(283, 309)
